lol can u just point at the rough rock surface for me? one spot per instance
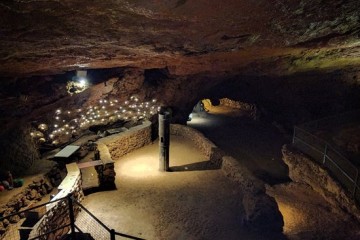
(52, 36)
(31, 194)
(304, 170)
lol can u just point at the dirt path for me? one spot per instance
(256, 144)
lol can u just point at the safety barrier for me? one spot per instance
(326, 155)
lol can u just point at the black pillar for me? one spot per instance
(164, 140)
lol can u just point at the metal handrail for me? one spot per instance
(326, 156)
(32, 208)
(72, 224)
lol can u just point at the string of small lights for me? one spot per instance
(67, 123)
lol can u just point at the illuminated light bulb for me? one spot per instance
(102, 120)
(73, 131)
(119, 116)
(58, 111)
(43, 126)
(126, 102)
(136, 99)
(57, 118)
(55, 142)
(103, 107)
(79, 110)
(116, 100)
(100, 101)
(68, 112)
(105, 101)
(123, 110)
(55, 125)
(51, 136)
(66, 125)
(96, 107)
(154, 100)
(32, 134)
(120, 107)
(64, 121)
(67, 133)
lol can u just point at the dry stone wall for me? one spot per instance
(57, 213)
(125, 142)
(303, 170)
(247, 107)
(209, 149)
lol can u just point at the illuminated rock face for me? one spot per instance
(278, 55)
(186, 36)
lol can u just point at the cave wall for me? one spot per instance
(287, 100)
(18, 151)
(298, 98)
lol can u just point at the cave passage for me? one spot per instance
(254, 143)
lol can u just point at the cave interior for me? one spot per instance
(291, 62)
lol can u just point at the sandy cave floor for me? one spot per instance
(198, 202)
(191, 203)
(202, 203)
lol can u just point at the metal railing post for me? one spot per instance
(293, 140)
(325, 153)
(355, 183)
(112, 234)
(71, 216)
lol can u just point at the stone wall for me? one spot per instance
(303, 170)
(261, 210)
(18, 151)
(247, 107)
(209, 149)
(125, 142)
(57, 213)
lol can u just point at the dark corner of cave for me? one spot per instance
(179, 119)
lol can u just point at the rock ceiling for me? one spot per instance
(188, 37)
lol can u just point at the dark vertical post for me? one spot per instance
(112, 234)
(164, 139)
(294, 135)
(325, 154)
(72, 217)
(355, 184)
